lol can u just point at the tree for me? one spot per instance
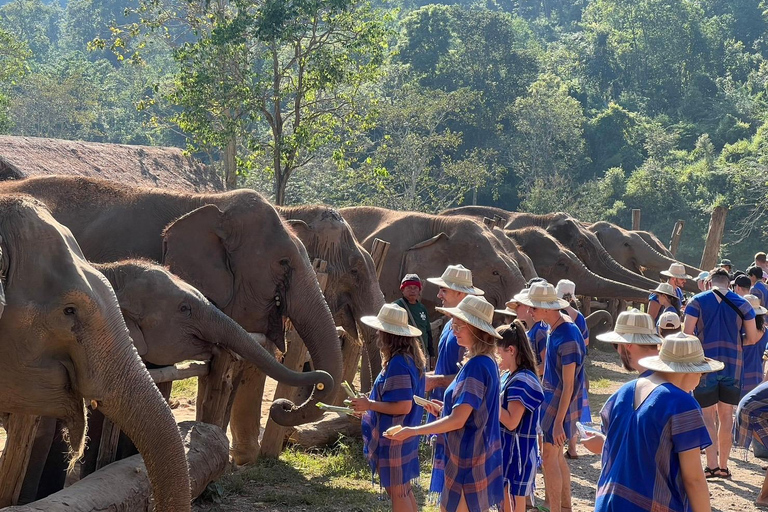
(33, 22)
(14, 57)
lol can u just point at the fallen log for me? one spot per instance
(124, 486)
(326, 431)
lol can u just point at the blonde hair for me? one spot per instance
(484, 345)
(392, 344)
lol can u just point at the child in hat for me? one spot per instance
(469, 415)
(521, 396)
(391, 403)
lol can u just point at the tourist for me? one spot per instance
(562, 383)
(391, 403)
(752, 371)
(653, 433)
(469, 422)
(634, 338)
(521, 396)
(538, 330)
(455, 284)
(410, 287)
(758, 288)
(668, 300)
(728, 266)
(702, 281)
(509, 312)
(752, 420)
(717, 317)
(669, 324)
(676, 277)
(741, 285)
(760, 261)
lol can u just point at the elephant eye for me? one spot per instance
(70, 310)
(285, 262)
(185, 308)
(496, 272)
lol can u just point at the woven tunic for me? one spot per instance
(752, 417)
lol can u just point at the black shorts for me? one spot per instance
(724, 389)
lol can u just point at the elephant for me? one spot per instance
(629, 249)
(232, 246)
(569, 232)
(524, 262)
(655, 243)
(426, 244)
(554, 262)
(353, 288)
(65, 344)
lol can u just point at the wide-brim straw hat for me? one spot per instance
(542, 296)
(666, 289)
(392, 319)
(676, 270)
(511, 306)
(506, 311)
(475, 311)
(755, 302)
(633, 327)
(457, 277)
(681, 353)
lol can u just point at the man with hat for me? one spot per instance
(702, 281)
(634, 338)
(562, 383)
(741, 285)
(727, 265)
(410, 287)
(718, 317)
(758, 289)
(676, 277)
(455, 284)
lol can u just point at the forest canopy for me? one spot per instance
(593, 107)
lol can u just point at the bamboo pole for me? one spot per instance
(714, 238)
(677, 232)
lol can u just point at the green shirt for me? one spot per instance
(418, 318)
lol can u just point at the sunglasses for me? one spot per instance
(457, 327)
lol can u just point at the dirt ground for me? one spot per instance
(605, 375)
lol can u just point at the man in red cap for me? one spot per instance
(410, 287)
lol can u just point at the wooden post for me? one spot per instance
(714, 238)
(635, 219)
(350, 355)
(110, 435)
(498, 221)
(488, 222)
(214, 390)
(21, 429)
(677, 232)
(379, 250)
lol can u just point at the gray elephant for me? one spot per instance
(64, 340)
(233, 247)
(654, 242)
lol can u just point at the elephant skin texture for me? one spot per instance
(65, 344)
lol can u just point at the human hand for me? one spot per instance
(399, 435)
(434, 407)
(558, 435)
(433, 381)
(361, 404)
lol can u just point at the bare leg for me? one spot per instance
(762, 499)
(565, 475)
(519, 503)
(710, 414)
(401, 497)
(506, 505)
(572, 446)
(553, 481)
(724, 433)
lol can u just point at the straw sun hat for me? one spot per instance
(457, 277)
(475, 311)
(542, 296)
(392, 319)
(666, 289)
(634, 327)
(511, 305)
(676, 270)
(681, 353)
(755, 302)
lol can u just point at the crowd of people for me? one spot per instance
(505, 401)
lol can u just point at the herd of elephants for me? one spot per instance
(98, 277)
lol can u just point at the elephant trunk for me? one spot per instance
(603, 264)
(590, 284)
(227, 333)
(655, 262)
(309, 313)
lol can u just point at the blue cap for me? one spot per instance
(703, 276)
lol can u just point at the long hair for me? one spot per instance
(392, 344)
(513, 335)
(759, 322)
(484, 344)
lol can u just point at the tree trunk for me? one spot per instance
(230, 163)
(714, 237)
(326, 431)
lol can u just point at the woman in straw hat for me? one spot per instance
(752, 371)
(521, 397)
(668, 300)
(676, 278)
(391, 403)
(469, 413)
(653, 435)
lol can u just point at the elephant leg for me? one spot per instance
(245, 420)
(41, 448)
(365, 373)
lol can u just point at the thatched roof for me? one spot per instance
(163, 167)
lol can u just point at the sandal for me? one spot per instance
(723, 472)
(568, 455)
(711, 473)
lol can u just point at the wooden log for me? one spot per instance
(488, 222)
(351, 349)
(326, 431)
(21, 430)
(498, 221)
(674, 241)
(379, 250)
(214, 390)
(181, 371)
(714, 238)
(635, 219)
(124, 485)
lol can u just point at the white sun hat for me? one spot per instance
(392, 319)
(475, 311)
(681, 353)
(511, 306)
(457, 277)
(634, 327)
(543, 296)
(676, 270)
(755, 302)
(565, 287)
(666, 289)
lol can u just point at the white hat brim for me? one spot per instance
(397, 330)
(654, 363)
(627, 339)
(760, 310)
(471, 290)
(667, 273)
(557, 304)
(507, 311)
(472, 320)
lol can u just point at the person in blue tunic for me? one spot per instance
(469, 416)
(562, 383)
(752, 421)
(521, 395)
(455, 284)
(758, 287)
(676, 277)
(634, 338)
(653, 432)
(391, 403)
(752, 371)
(668, 300)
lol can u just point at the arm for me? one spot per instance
(690, 324)
(693, 480)
(392, 408)
(753, 335)
(511, 417)
(569, 375)
(540, 367)
(454, 421)
(653, 309)
(594, 443)
(438, 381)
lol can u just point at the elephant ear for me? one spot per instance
(193, 249)
(432, 251)
(302, 230)
(137, 336)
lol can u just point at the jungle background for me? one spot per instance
(593, 107)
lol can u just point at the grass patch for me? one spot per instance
(186, 388)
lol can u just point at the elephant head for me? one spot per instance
(654, 242)
(523, 261)
(244, 258)
(352, 290)
(170, 321)
(64, 344)
(554, 262)
(630, 250)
